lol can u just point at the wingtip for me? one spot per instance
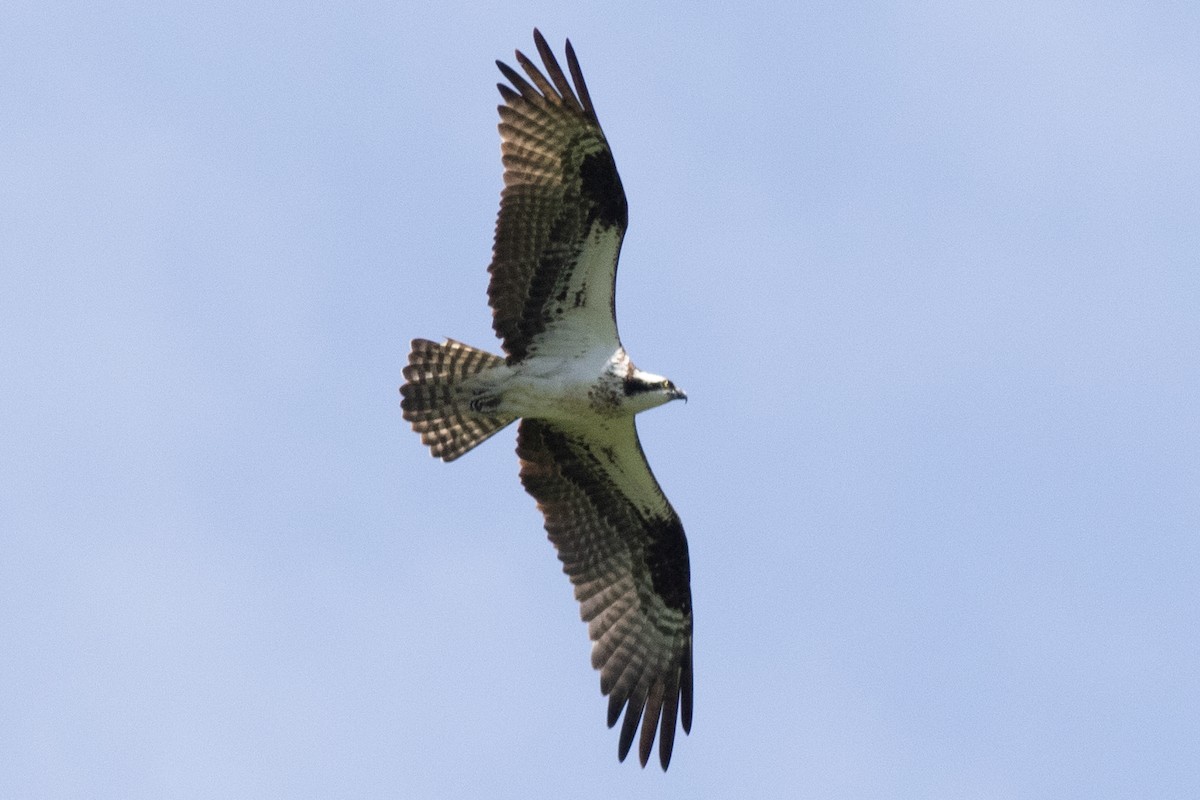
(623, 750)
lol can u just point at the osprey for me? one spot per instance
(567, 378)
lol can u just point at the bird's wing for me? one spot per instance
(562, 214)
(624, 549)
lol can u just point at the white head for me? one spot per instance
(645, 390)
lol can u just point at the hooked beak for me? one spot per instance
(678, 394)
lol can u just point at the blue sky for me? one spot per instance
(928, 272)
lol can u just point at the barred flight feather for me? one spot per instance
(437, 398)
(640, 643)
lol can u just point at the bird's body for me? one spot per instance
(567, 377)
(585, 389)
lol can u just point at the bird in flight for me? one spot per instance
(567, 378)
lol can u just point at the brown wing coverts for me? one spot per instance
(560, 180)
(629, 566)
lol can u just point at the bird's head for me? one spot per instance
(644, 390)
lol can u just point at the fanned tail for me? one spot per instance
(437, 396)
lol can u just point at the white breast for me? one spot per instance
(558, 387)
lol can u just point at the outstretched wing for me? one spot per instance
(562, 213)
(623, 547)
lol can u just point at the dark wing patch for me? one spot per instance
(561, 191)
(623, 547)
(600, 184)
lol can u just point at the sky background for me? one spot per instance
(928, 271)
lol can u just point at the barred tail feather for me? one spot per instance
(437, 400)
